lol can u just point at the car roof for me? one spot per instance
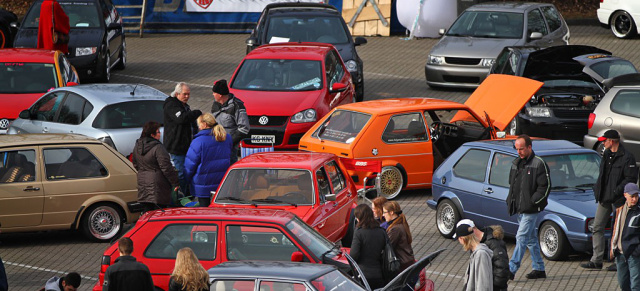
(105, 94)
(505, 6)
(541, 147)
(392, 105)
(218, 213)
(270, 269)
(27, 55)
(291, 50)
(11, 140)
(299, 6)
(296, 160)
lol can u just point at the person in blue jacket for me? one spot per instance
(208, 158)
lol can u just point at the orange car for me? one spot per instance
(394, 131)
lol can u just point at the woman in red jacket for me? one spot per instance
(52, 18)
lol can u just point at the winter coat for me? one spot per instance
(52, 17)
(156, 175)
(401, 246)
(206, 163)
(179, 125)
(479, 276)
(53, 284)
(366, 250)
(623, 170)
(630, 232)
(175, 286)
(232, 115)
(529, 185)
(500, 259)
(127, 274)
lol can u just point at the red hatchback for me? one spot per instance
(25, 75)
(287, 87)
(314, 186)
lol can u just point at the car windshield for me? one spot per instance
(267, 186)
(342, 126)
(326, 29)
(490, 24)
(453, 116)
(81, 14)
(313, 240)
(129, 114)
(335, 281)
(18, 77)
(613, 68)
(570, 83)
(573, 171)
(279, 75)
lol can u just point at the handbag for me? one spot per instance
(57, 37)
(390, 262)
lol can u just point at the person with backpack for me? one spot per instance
(493, 237)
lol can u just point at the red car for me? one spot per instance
(287, 87)
(25, 75)
(314, 186)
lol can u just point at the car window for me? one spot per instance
(570, 171)
(279, 75)
(45, 109)
(72, 163)
(323, 184)
(336, 176)
(500, 168)
(258, 243)
(310, 28)
(312, 239)
(18, 77)
(17, 166)
(333, 68)
(552, 16)
(71, 76)
(64, 70)
(535, 22)
(506, 63)
(72, 110)
(493, 24)
(404, 128)
(342, 126)
(130, 114)
(266, 186)
(81, 15)
(201, 238)
(453, 116)
(612, 68)
(235, 285)
(626, 102)
(267, 285)
(472, 165)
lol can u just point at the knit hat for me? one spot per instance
(220, 87)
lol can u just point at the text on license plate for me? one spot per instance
(263, 139)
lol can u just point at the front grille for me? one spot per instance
(273, 120)
(462, 61)
(461, 79)
(295, 138)
(566, 113)
(563, 100)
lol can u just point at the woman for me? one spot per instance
(399, 233)
(479, 275)
(368, 239)
(188, 274)
(376, 205)
(156, 174)
(53, 20)
(208, 158)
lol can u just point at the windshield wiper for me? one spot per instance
(231, 198)
(567, 188)
(271, 200)
(586, 185)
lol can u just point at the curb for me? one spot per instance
(583, 21)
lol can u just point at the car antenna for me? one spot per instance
(133, 93)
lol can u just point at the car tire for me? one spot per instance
(553, 242)
(447, 216)
(348, 237)
(5, 36)
(106, 69)
(622, 25)
(514, 127)
(360, 92)
(392, 182)
(102, 222)
(122, 62)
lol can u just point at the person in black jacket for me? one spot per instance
(493, 237)
(617, 168)
(230, 112)
(529, 186)
(179, 128)
(368, 243)
(626, 239)
(126, 273)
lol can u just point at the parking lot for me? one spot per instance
(394, 67)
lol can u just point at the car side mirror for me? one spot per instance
(359, 41)
(14, 24)
(25, 114)
(72, 84)
(251, 41)
(297, 256)
(535, 35)
(337, 87)
(114, 25)
(330, 197)
(442, 31)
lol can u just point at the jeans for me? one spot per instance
(628, 272)
(603, 215)
(234, 154)
(178, 163)
(527, 237)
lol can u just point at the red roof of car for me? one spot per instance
(207, 213)
(291, 51)
(297, 160)
(27, 55)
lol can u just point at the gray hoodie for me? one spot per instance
(479, 276)
(53, 284)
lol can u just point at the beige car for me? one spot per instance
(64, 181)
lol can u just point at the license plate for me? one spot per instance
(270, 139)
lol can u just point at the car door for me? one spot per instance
(625, 112)
(342, 204)
(21, 191)
(536, 23)
(495, 191)
(555, 25)
(320, 220)
(73, 111)
(335, 72)
(468, 177)
(43, 114)
(255, 241)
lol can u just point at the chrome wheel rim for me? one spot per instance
(621, 26)
(104, 222)
(391, 182)
(446, 219)
(107, 68)
(124, 53)
(549, 238)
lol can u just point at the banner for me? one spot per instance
(234, 5)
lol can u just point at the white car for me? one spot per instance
(621, 16)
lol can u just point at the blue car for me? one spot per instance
(474, 183)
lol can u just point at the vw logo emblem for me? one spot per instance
(263, 120)
(4, 123)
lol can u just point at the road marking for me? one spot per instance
(161, 80)
(46, 270)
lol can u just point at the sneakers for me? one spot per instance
(536, 275)
(591, 265)
(612, 268)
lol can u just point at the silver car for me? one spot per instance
(463, 56)
(619, 109)
(112, 113)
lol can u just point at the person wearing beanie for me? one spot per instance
(230, 112)
(625, 240)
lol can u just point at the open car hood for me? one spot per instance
(603, 67)
(560, 58)
(502, 97)
(412, 271)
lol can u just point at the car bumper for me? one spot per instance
(86, 66)
(286, 137)
(583, 242)
(590, 141)
(432, 204)
(572, 130)
(603, 16)
(455, 76)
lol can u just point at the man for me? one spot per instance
(70, 282)
(528, 192)
(126, 273)
(179, 128)
(626, 239)
(230, 112)
(617, 169)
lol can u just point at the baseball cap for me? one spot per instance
(464, 228)
(631, 189)
(611, 133)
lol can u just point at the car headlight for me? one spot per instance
(539, 112)
(308, 115)
(435, 60)
(352, 66)
(85, 51)
(487, 62)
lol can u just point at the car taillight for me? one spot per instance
(592, 118)
(106, 261)
(422, 281)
